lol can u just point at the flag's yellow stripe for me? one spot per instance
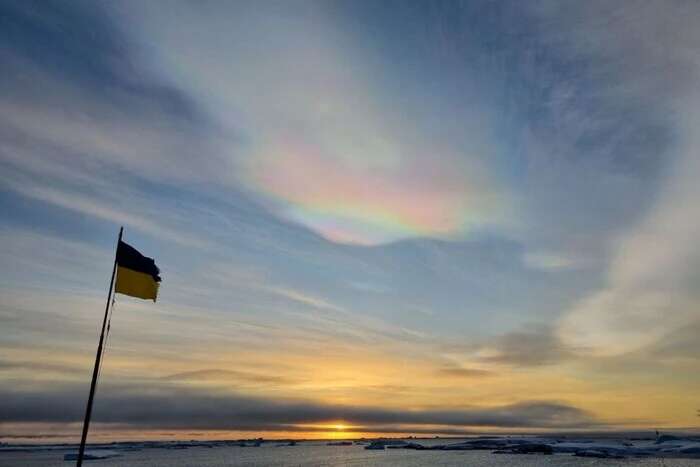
(136, 284)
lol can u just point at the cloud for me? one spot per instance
(651, 285)
(319, 150)
(348, 202)
(35, 255)
(464, 372)
(304, 298)
(89, 146)
(169, 407)
(681, 343)
(41, 367)
(85, 127)
(101, 209)
(230, 376)
(531, 346)
(548, 261)
(328, 147)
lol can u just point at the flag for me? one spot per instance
(137, 275)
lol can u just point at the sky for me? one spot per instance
(370, 217)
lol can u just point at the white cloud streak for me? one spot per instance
(651, 287)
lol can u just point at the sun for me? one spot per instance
(339, 427)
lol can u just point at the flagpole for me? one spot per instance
(95, 371)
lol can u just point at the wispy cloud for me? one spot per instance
(103, 210)
(39, 255)
(549, 261)
(327, 151)
(304, 298)
(650, 290)
(230, 376)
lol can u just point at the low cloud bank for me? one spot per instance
(170, 407)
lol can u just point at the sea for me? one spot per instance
(320, 454)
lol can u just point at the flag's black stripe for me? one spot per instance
(129, 257)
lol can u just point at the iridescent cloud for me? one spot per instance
(367, 203)
(333, 145)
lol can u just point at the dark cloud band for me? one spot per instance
(170, 407)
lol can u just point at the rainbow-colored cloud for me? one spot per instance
(324, 132)
(357, 200)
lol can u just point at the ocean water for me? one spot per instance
(316, 454)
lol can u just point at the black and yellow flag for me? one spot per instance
(137, 275)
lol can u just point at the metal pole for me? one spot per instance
(88, 409)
